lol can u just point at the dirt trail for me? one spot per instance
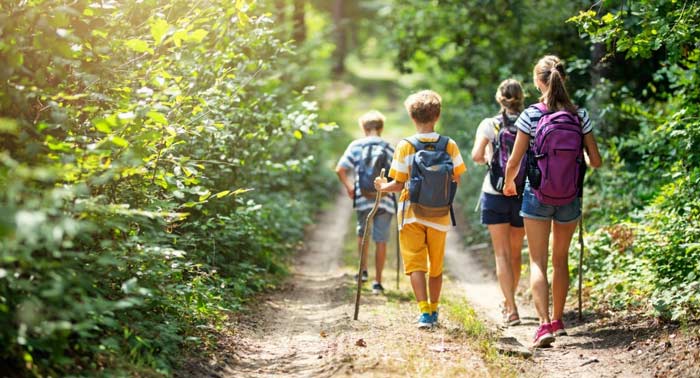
(287, 339)
(587, 352)
(305, 329)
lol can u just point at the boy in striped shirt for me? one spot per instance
(372, 124)
(422, 239)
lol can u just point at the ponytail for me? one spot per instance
(550, 71)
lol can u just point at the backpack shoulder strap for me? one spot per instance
(441, 144)
(417, 144)
(498, 123)
(541, 107)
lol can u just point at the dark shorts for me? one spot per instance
(497, 209)
(534, 209)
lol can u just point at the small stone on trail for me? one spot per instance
(592, 360)
(361, 343)
(323, 334)
(437, 348)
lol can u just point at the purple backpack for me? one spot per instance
(558, 156)
(502, 148)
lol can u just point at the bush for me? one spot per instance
(155, 173)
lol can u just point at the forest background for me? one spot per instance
(159, 160)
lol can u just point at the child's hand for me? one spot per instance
(509, 189)
(351, 191)
(379, 182)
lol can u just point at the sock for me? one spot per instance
(434, 306)
(424, 307)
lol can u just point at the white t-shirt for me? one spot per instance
(487, 129)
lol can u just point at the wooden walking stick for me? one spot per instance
(398, 244)
(363, 247)
(580, 263)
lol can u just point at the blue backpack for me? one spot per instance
(431, 186)
(373, 159)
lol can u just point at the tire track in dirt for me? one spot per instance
(584, 353)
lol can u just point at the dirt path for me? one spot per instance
(305, 330)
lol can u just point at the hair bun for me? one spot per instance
(560, 67)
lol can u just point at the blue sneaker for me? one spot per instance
(425, 321)
(434, 316)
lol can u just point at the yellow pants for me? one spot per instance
(422, 249)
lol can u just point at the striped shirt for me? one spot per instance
(350, 160)
(401, 171)
(527, 122)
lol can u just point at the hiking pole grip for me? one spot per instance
(364, 246)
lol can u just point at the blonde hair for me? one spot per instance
(510, 96)
(550, 71)
(372, 120)
(424, 106)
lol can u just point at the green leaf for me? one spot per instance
(119, 141)
(158, 118)
(197, 36)
(8, 125)
(222, 194)
(298, 134)
(608, 18)
(102, 125)
(204, 196)
(139, 46)
(159, 27)
(241, 191)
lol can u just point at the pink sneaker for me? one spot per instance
(558, 328)
(543, 336)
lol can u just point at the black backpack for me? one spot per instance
(373, 159)
(502, 148)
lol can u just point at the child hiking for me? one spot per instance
(493, 144)
(426, 170)
(365, 158)
(557, 134)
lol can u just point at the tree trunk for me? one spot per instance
(299, 33)
(340, 38)
(281, 18)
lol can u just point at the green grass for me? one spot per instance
(479, 337)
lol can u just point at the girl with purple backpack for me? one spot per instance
(554, 133)
(493, 144)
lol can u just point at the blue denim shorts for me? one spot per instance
(497, 209)
(534, 209)
(380, 225)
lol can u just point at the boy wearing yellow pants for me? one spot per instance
(421, 236)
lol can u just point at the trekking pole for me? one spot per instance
(398, 244)
(363, 246)
(398, 255)
(580, 264)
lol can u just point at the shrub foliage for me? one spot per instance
(155, 169)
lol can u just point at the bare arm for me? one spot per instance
(346, 181)
(591, 147)
(479, 150)
(381, 185)
(522, 142)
